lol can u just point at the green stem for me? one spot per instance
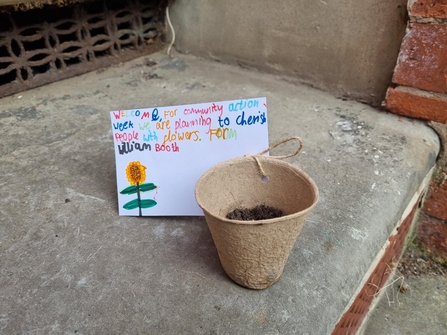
(139, 199)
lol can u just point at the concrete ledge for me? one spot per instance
(70, 264)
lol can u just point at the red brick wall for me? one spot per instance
(428, 8)
(419, 90)
(422, 65)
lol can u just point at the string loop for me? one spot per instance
(277, 157)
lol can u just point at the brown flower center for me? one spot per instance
(135, 172)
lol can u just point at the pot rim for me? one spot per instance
(265, 221)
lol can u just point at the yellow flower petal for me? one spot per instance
(135, 173)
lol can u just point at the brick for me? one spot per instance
(422, 61)
(419, 105)
(436, 202)
(428, 8)
(432, 234)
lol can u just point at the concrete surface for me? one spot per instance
(69, 264)
(420, 310)
(346, 47)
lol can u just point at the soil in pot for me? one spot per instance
(260, 212)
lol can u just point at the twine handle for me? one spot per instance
(281, 142)
(277, 157)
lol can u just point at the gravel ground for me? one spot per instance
(414, 301)
(415, 262)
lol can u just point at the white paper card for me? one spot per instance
(161, 152)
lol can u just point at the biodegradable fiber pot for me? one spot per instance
(253, 253)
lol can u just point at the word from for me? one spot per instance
(223, 133)
(123, 125)
(127, 147)
(238, 106)
(185, 135)
(211, 109)
(180, 124)
(127, 137)
(173, 147)
(252, 119)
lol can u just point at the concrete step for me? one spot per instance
(70, 264)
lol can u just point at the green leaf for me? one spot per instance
(145, 203)
(147, 187)
(131, 204)
(129, 190)
(148, 203)
(143, 188)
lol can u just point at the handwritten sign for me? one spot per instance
(161, 152)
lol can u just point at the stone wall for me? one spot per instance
(419, 90)
(347, 47)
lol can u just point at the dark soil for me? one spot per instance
(260, 212)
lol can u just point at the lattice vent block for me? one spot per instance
(41, 46)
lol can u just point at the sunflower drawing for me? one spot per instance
(136, 175)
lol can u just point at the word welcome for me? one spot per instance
(137, 113)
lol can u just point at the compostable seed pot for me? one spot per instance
(254, 253)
